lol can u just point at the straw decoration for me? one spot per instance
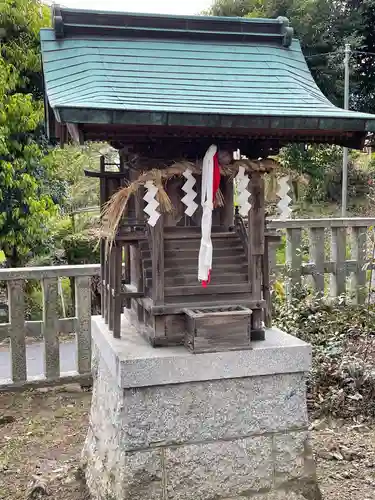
(115, 208)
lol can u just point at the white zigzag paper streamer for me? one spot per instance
(188, 199)
(242, 181)
(152, 203)
(283, 205)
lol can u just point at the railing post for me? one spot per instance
(116, 287)
(358, 279)
(50, 327)
(17, 329)
(256, 242)
(317, 255)
(83, 327)
(293, 258)
(338, 255)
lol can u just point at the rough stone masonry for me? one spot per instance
(166, 424)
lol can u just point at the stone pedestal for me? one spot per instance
(167, 424)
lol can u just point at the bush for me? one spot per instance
(82, 248)
(342, 379)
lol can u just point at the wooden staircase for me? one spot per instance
(181, 250)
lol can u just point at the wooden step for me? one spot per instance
(183, 263)
(194, 253)
(192, 279)
(216, 279)
(174, 291)
(186, 235)
(195, 244)
(237, 268)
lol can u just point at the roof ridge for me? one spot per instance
(71, 22)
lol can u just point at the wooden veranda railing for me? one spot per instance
(334, 254)
(19, 331)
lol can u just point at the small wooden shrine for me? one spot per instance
(179, 97)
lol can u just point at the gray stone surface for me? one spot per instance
(213, 470)
(278, 495)
(134, 363)
(227, 438)
(289, 455)
(221, 409)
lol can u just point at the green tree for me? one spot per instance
(362, 83)
(322, 26)
(27, 200)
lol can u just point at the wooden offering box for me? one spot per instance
(215, 329)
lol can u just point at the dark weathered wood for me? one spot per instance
(116, 291)
(103, 200)
(106, 175)
(216, 329)
(137, 276)
(192, 262)
(198, 289)
(216, 279)
(267, 287)
(194, 244)
(105, 287)
(227, 211)
(256, 248)
(218, 253)
(111, 284)
(127, 271)
(237, 269)
(179, 304)
(242, 233)
(131, 292)
(157, 251)
(191, 233)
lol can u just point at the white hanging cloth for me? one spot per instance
(207, 196)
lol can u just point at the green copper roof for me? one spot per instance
(195, 71)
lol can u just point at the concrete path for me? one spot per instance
(35, 360)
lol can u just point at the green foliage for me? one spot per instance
(323, 27)
(342, 381)
(82, 248)
(323, 166)
(26, 197)
(68, 165)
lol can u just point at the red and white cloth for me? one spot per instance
(210, 186)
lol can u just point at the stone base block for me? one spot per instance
(166, 424)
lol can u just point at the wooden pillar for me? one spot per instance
(116, 290)
(130, 214)
(157, 256)
(256, 250)
(266, 285)
(103, 190)
(227, 211)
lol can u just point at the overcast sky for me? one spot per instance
(151, 6)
